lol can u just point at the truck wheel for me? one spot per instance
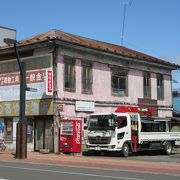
(168, 148)
(125, 150)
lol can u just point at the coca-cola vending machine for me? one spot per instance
(70, 136)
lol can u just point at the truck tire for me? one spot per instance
(125, 150)
(168, 148)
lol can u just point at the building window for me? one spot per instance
(29, 130)
(119, 83)
(147, 85)
(160, 87)
(87, 77)
(69, 74)
(8, 129)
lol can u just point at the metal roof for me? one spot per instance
(90, 43)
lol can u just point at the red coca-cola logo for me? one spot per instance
(78, 132)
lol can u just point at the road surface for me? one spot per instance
(11, 170)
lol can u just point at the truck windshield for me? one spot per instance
(101, 122)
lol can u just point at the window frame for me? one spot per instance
(69, 63)
(118, 73)
(147, 88)
(160, 78)
(30, 132)
(8, 138)
(87, 78)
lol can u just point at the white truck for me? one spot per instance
(125, 131)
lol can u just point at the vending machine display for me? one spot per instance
(70, 136)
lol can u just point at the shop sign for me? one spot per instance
(146, 101)
(49, 82)
(85, 106)
(10, 79)
(33, 107)
(9, 85)
(152, 103)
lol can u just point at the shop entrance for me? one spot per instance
(44, 134)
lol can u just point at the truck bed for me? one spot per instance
(158, 136)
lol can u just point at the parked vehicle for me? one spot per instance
(126, 131)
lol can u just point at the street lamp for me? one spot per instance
(21, 134)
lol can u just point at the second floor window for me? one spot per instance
(119, 83)
(87, 77)
(147, 85)
(69, 74)
(160, 87)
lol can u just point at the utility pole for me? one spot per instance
(21, 135)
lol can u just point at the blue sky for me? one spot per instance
(151, 26)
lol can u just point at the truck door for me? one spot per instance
(123, 129)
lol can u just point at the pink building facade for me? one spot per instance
(102, 96)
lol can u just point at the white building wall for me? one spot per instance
(6, 33)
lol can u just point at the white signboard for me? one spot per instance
(10, 88)
(85, 106)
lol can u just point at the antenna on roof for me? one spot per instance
(129, 2)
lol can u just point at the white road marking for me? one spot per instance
(70, 173)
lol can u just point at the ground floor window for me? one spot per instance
(29, 130)
(8, 129)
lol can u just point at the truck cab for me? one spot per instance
(111, 132)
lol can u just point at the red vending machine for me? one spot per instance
(70, 136)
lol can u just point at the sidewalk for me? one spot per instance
(96, 162)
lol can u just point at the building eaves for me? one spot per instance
(90, 43)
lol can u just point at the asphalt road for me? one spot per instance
(29, 171)
(152, 156)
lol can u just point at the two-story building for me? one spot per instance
(88, 76)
